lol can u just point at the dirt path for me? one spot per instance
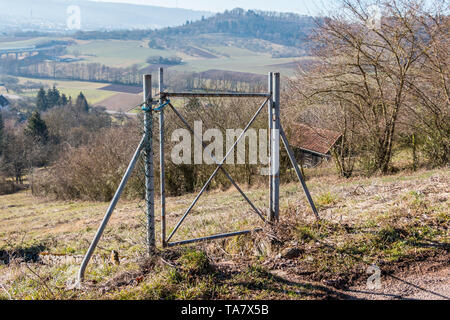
(426, 280)
(430, 285)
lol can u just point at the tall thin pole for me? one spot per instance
(161, 161)
(270, 118)
(149, 183)
(276, 146)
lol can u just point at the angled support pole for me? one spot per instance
(110, 210)
(298, 172)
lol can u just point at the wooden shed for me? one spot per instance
(312, 145)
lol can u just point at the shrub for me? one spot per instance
(195, 261)
(161, 60)
(90, 172)
(7, 186)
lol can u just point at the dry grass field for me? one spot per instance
(398, 223)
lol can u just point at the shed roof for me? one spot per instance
(313, 139)
(3, 101)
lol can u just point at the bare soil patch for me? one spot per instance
(122, 88)
(121, 102)
(428, 280)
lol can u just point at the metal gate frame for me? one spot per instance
(272, 99)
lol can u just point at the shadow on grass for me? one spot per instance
(27, 254)
(301, 289)
(389, 274)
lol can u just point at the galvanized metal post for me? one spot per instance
(269, 112)
(149, 183)
(161, 160)
(276, 147)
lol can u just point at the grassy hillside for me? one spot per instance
(125, 53)
(116, 53)
(392, 221)
(235, 40)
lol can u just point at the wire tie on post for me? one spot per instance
(144, 108)
(161, 106)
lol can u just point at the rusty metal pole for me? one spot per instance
(148, 152)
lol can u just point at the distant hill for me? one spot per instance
(287, 29)
(51, 15)
(237, 26)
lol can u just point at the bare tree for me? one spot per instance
(363, 72)
(428, 110)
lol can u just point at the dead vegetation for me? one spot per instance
(394, 222)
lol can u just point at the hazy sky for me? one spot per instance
(310, 7)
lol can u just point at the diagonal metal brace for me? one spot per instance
(110, 210)
(218, 163)
(219, 166)
(298, 172)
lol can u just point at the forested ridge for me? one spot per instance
(282, 28)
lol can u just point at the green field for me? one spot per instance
(116, 53)
(230, 56)
(121, 53)
(22, 43)
(91, 90)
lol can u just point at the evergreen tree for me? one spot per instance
(81, 104)
(53, 97)
(42, 102)
(63, 100)
(37, 128)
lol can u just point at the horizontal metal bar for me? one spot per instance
(213, 237)
(212, 95)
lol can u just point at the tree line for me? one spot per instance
(54, 123)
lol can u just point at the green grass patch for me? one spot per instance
(325, 199)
